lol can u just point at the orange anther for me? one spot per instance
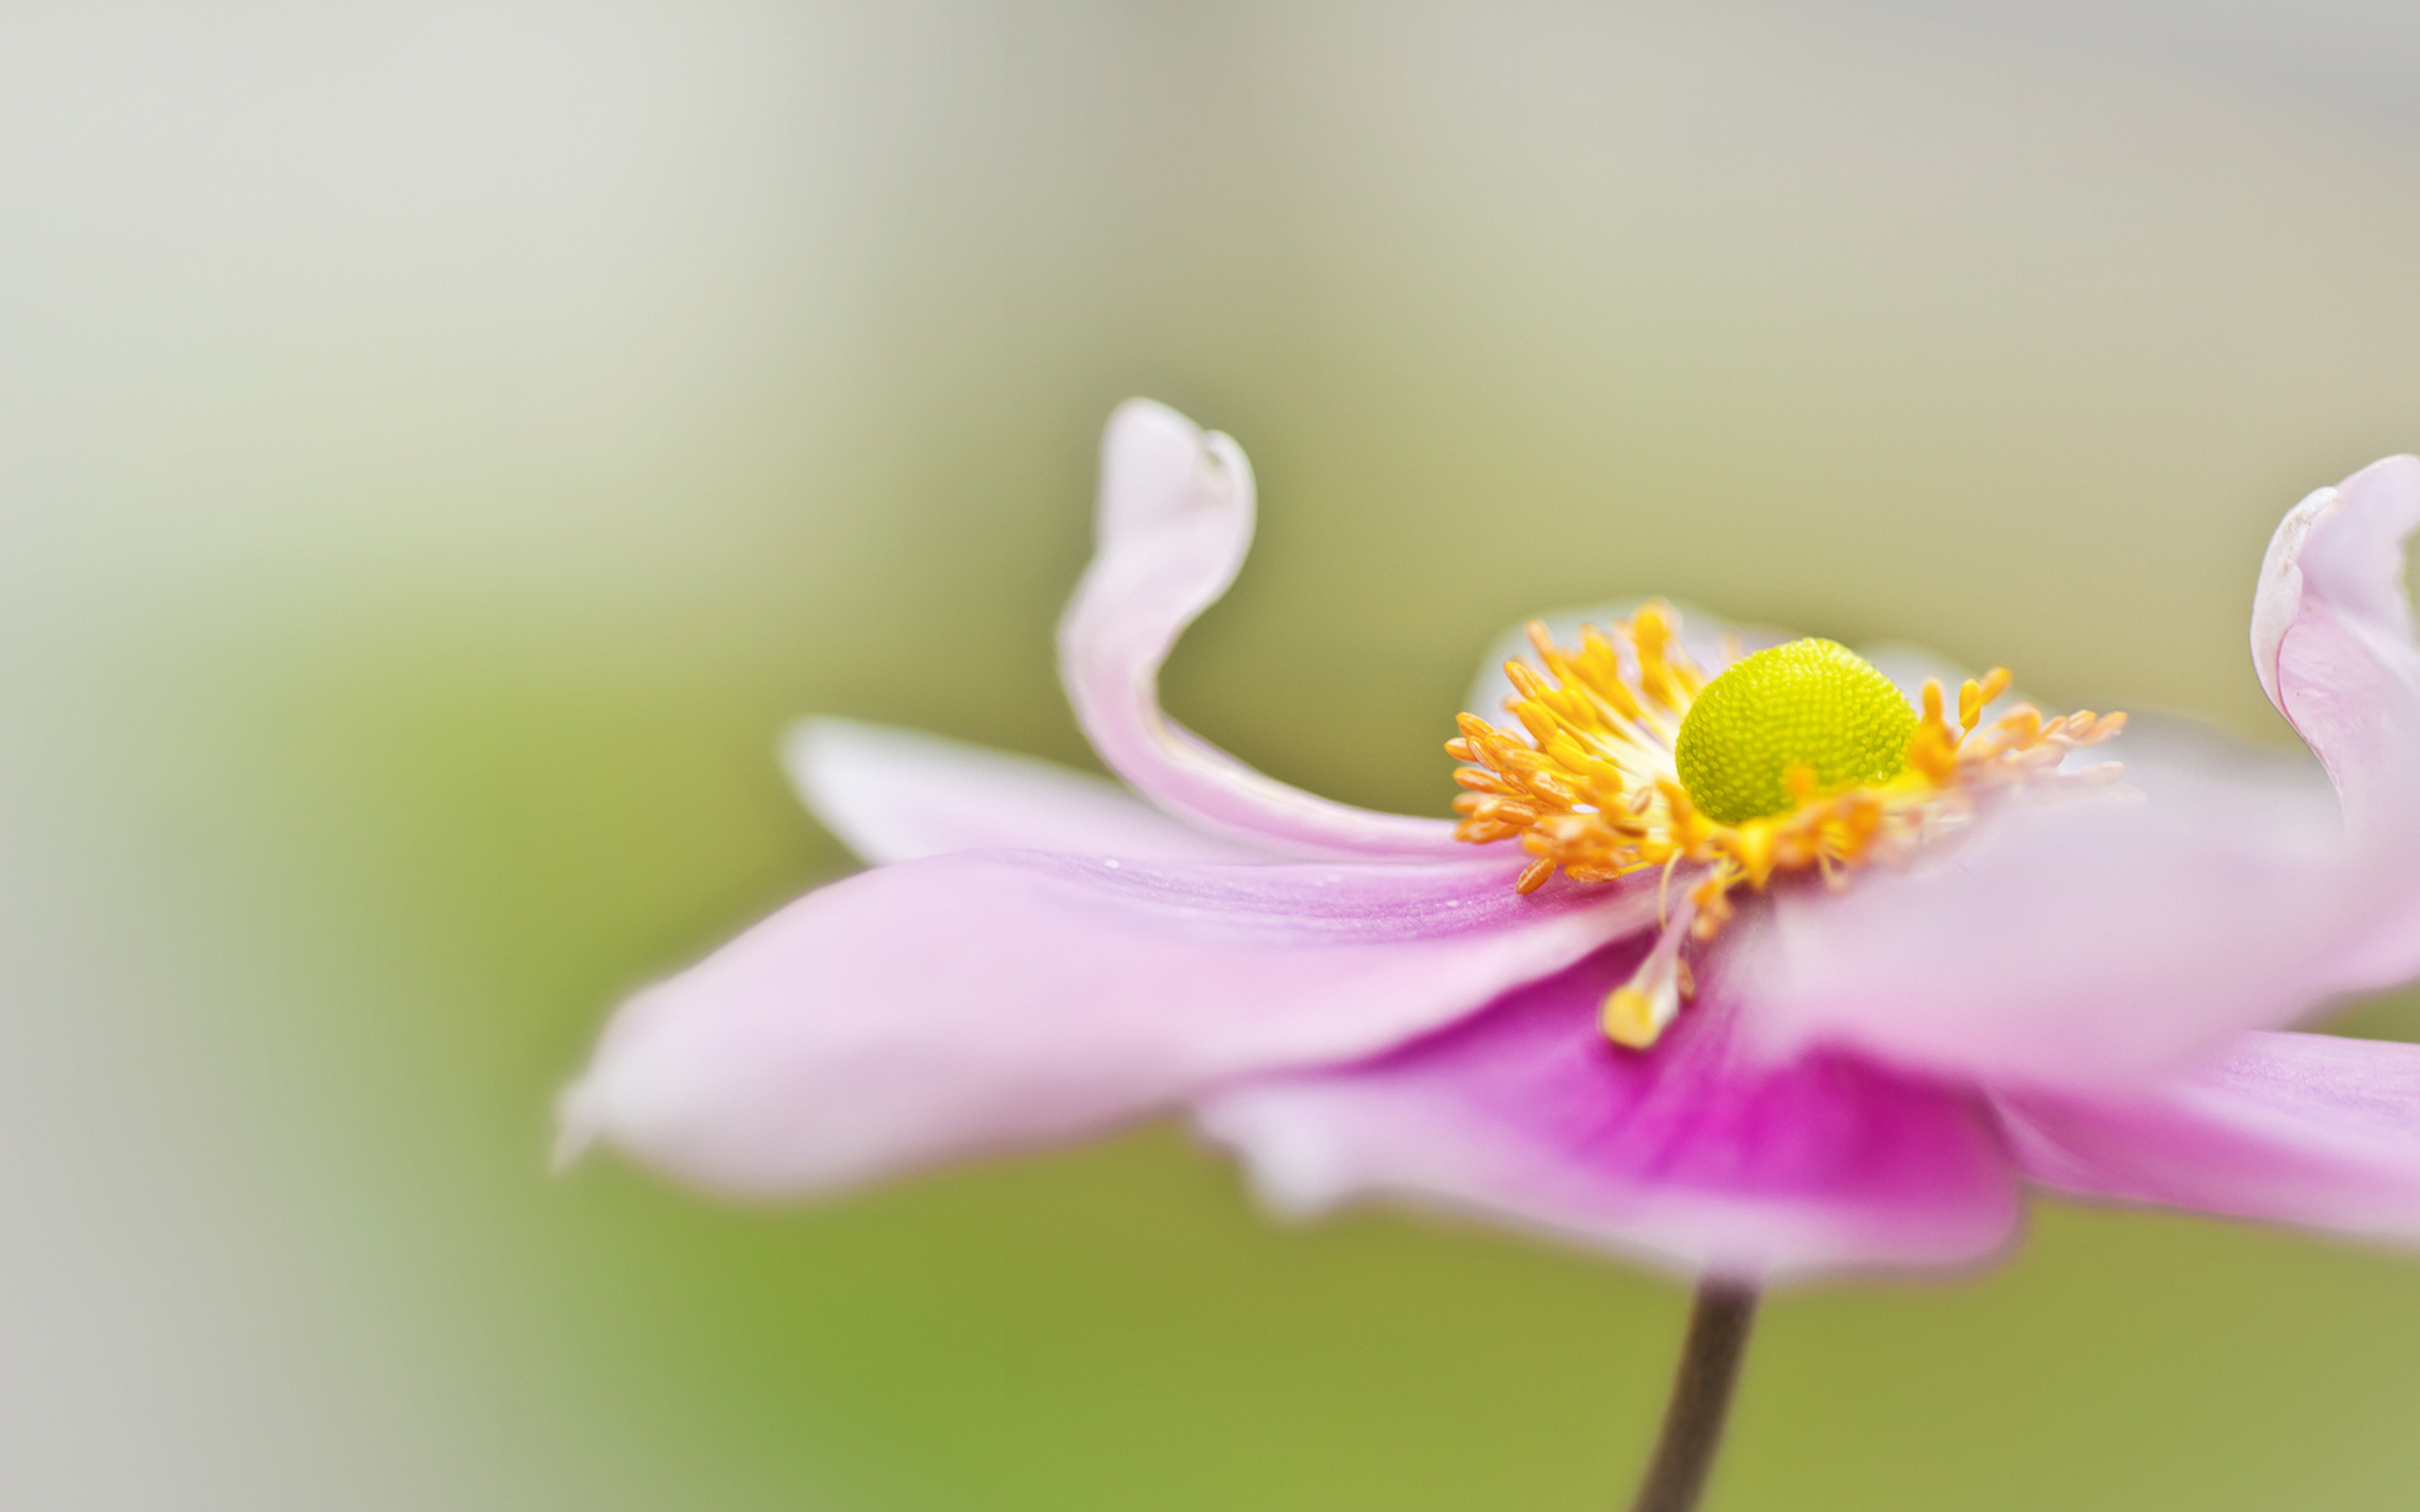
(1752, 844)
(1800, 782)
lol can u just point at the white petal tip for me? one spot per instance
(1158, 467)
(577, 1127)
(1294, 1176)
(1140, 411)
(809, 750)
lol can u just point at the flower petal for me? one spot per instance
(988, 1000)
(2332, 642)
(1175, 521)
(2331, 634)
(894, 795)
(2298, 1128)
(1692, 1153)
(2097, 947)
(2095, 943)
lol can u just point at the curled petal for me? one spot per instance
(1175, 520)
(895, 795)
(990, 1000)
(1692, 1153)
(2331, 636)
(2106, 944)
(2296, 1128)
(2332, 642)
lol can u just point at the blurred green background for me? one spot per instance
(441, 445)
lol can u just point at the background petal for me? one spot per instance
(895, 795)
(1707, 637)
(1694, 1153)
(1174, 523)
(2297, 1129)
(988, 1000)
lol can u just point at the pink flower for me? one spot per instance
(2082, 995)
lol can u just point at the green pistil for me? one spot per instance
(1811, 703)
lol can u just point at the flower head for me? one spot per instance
(1799, 968)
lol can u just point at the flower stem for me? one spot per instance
(1720, 1320)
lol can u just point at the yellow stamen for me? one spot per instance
(1630, 1020)
(1636, 1012)
(1586, 778)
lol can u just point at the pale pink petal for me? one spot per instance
(2331, 636)
(1692, 1153)
(894, 795)
(2095, 943)
(990, 1000)
(2108, 943)
(2332, 642)
(1175, 521)
(2296, 1129)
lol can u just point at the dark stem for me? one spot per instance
(1720, 1321)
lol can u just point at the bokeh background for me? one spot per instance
(441, 443)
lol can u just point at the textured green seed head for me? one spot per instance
(1811, 703)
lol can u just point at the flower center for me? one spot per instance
(1812, 704)
(1626, 757)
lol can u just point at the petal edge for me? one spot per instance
(988, 1000)
(895, 795)
(1175, 520)
(2308, 1129)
